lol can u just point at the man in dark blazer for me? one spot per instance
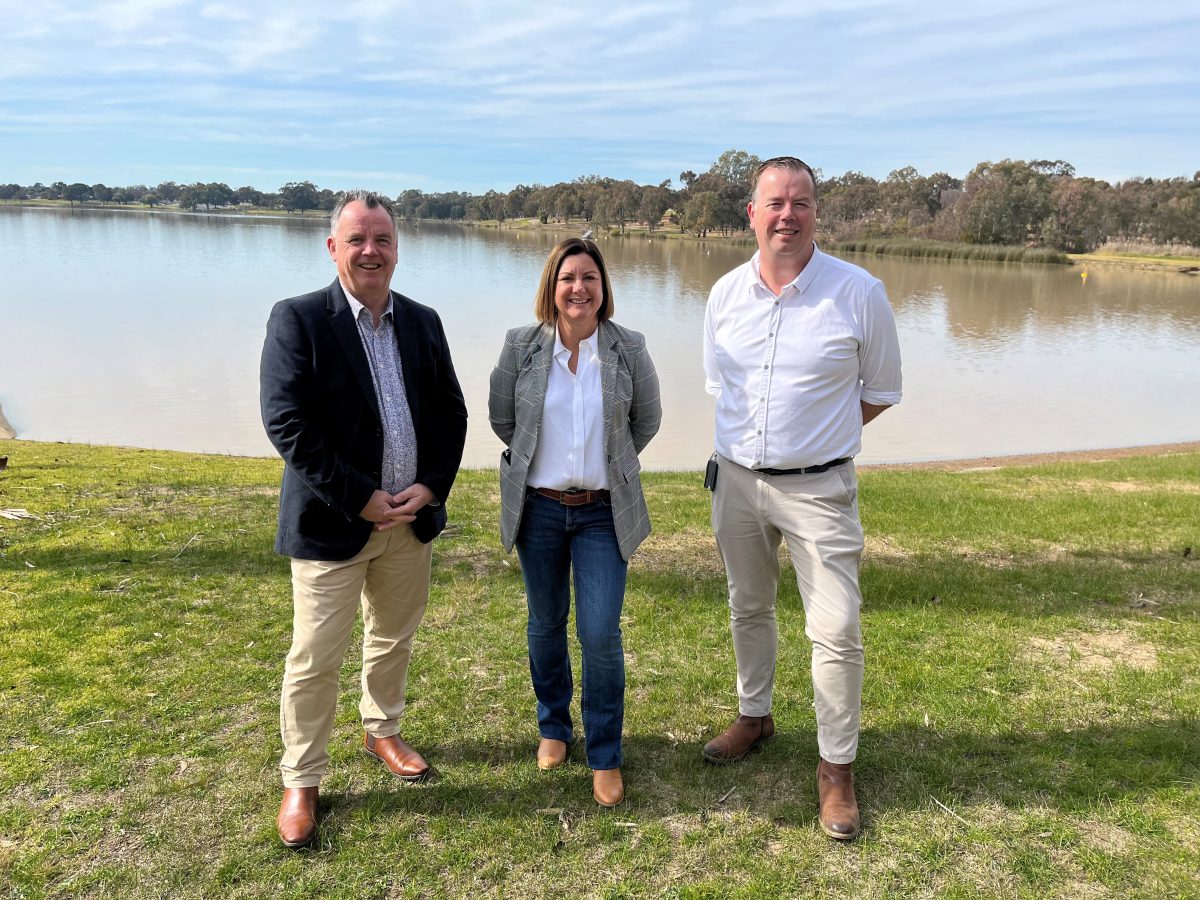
(360, 398)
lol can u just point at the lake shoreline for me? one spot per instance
(744, 236)
(965, 464)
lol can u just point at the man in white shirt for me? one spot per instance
(800, 350)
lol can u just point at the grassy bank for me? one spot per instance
(920, 249)
(1030, 724)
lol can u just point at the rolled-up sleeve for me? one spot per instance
(879, 352)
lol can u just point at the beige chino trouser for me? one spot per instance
(817, 515)
(389, 578)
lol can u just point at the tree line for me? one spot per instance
(1036, 203)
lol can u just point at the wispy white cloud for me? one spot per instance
(497, 91)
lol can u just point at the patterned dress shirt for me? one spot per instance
(399, 437)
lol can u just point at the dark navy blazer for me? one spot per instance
(320, 411)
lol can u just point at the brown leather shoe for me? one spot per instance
(297, 819)
(402, 760)
(607, 787)
(551, 753)
(839, 808)
(746, 733)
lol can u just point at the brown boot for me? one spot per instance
(839, 808)
(746, 733)
(297, 819)
(551, 753)
(608, 789)
(402, 760)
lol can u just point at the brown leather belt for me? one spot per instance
(572, 498)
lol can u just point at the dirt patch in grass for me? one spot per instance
(881, 549)
(1106, 837)
(692, 551)
(1037, 485)
(452, 551)
(1048, 553)
(1185, 830)
(1098, 651)
(114, 848)
(480, 563)
(1130, 487)
(1081, 890)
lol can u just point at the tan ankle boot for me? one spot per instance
(297, 819)
(607, 787)
(746, 733)
(839, 807)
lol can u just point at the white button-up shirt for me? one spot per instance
(788, 371)
(570, 448)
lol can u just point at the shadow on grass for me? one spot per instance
(899, 770)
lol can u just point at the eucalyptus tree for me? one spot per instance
(299, 196)
(1007, 202)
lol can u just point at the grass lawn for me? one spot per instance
(1030, 724)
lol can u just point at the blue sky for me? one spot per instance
(441, 96)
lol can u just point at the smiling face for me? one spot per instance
(783, 215)
(578, 294)
(364, 250)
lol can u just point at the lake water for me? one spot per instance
(145, 330)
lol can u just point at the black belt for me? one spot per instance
(806, 470)
(572, 497)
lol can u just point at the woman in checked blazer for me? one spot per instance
(575, 399)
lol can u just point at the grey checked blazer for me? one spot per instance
(632, 413)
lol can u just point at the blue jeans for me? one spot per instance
(553, 540)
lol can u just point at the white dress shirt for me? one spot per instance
(789, 371)
(570, 448)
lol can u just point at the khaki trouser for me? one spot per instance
(390, 578)
(817, 515)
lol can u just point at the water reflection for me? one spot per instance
(145, 329)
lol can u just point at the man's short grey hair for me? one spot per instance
(788, 163)
(369, 199)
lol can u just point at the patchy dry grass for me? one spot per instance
(1031, 717)
(690, 551)
(1100, 651)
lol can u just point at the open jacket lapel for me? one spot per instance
(341, 320)
(606, 340)
(535, 367)
(410, 355)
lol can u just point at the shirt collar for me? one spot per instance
(800, 282)
(592, 343)
(356, 307)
